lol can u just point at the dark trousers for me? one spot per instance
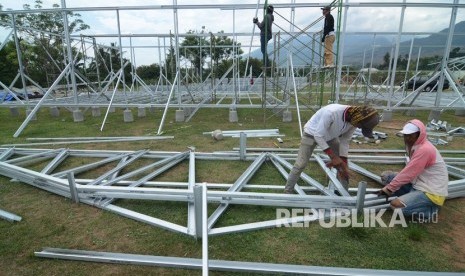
(264, 43)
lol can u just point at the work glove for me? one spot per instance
(255, 20)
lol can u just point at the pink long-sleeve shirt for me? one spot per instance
(426, 169)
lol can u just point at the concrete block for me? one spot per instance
(180, 115)
(387, 115)
(127, 114)
(287, 116)
(54, 111)
(96, 111)
(14, 111)
(233, 116)
(78, 116)
(434, 114)
(141, 112)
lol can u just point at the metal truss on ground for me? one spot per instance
(122, 181)
(133, 175)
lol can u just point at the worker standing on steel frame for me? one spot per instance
(265, 31)
(328, 37)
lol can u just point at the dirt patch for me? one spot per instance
(395, 125)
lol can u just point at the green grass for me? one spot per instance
(53, 221)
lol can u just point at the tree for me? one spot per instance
(170, 65)
(428, 63)
(256, 65)
(456, 53)
(108, 61)
(42, 32)
(195, 48)
(148, 72)
(8, 63)
(223, 47)
(386, 60)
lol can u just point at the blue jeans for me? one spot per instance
(417, 205)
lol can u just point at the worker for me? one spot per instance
(331, 128)
(421, 186)
(266, 32)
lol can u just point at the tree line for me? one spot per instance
(428, 63)
(44, 56)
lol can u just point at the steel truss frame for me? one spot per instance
(115, 184)
(185, 99)
(120, 181)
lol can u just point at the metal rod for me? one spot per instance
(204, 231)
(221, 265)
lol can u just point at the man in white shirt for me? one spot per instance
(332, 128)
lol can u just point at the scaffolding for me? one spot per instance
(290, 86)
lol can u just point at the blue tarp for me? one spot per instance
(6, 98)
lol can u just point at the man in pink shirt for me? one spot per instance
(421, 187)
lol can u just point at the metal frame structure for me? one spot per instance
(119, 182)
(222, 265)
(184, 98)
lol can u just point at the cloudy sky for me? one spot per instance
(160, 21)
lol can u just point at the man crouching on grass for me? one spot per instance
(421, 187)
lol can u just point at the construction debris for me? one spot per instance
(9, 216)
(376, 134)
(458, 131)
(377, 137)
(438, 125)
(217, 134)
(434, 137)
(249, 133)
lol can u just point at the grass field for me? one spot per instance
(53, 221)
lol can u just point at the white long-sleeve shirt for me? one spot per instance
(327, 124)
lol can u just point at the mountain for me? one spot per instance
(359, 48)
(435, 43)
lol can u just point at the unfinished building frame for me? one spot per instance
(288, 86)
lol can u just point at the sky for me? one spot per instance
(161, 21)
